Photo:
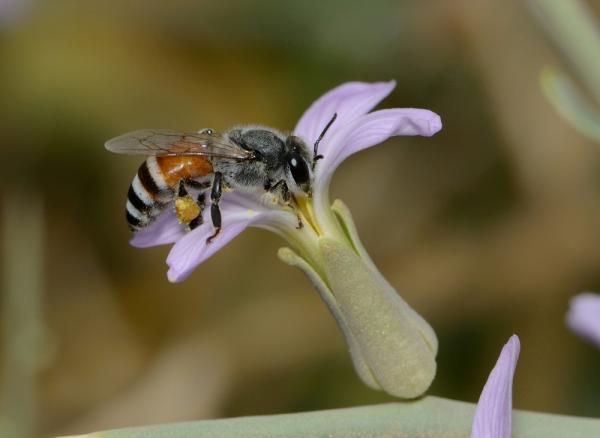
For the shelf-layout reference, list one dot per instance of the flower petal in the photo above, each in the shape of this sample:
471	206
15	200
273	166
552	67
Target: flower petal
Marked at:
493	417
238	212
191	249
165	229
349	101
369	130
376	127
584	316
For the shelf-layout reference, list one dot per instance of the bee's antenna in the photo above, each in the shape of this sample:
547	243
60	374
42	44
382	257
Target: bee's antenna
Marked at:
316	147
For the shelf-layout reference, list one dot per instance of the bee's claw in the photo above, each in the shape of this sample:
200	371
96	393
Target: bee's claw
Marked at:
215	234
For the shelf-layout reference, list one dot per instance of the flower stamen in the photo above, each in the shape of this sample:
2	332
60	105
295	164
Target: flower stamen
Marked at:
307	213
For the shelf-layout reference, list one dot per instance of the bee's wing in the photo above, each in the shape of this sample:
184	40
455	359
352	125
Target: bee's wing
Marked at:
165	142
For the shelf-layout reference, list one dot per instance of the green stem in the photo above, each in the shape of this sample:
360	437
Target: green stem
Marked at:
22	236
430	417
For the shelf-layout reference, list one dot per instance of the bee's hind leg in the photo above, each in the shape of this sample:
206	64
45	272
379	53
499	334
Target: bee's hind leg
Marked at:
188	209
215	211
198	220
198	185
200	200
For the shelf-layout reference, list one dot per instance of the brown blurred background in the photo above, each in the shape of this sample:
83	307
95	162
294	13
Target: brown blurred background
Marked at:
487	229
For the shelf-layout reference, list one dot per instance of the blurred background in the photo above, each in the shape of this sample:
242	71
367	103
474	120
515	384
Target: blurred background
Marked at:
487	229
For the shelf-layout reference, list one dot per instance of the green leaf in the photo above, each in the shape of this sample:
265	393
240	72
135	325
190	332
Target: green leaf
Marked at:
430	417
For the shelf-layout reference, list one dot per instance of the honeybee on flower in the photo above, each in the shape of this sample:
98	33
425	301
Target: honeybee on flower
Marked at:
257	176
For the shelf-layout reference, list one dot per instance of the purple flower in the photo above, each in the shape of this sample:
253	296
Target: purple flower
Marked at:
352	131
393	348
584	316
493	416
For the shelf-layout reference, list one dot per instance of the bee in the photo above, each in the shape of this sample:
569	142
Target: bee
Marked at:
251	159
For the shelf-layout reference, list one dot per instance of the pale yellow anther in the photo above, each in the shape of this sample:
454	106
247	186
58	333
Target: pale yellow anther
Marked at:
307	213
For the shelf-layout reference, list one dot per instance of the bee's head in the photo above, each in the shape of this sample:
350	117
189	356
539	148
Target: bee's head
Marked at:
297	162
275	157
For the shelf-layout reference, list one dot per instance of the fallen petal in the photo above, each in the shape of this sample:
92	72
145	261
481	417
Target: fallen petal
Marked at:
493	416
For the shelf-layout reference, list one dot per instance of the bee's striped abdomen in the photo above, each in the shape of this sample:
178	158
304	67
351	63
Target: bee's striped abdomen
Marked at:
156	183
147	196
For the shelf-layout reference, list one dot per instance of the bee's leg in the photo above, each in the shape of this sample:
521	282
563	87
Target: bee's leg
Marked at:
215	211
193	184
181	191
199	220
287	199
281	185
286	196
186	207
300	223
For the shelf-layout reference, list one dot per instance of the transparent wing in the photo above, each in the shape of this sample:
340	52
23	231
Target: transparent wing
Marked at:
165	142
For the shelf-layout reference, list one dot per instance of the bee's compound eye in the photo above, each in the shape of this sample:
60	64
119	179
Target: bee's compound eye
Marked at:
298	168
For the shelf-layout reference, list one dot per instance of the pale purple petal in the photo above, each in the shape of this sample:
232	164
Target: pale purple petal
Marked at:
165	229
376	127
192	249
493	416
584	316
349	101
370	130
238	212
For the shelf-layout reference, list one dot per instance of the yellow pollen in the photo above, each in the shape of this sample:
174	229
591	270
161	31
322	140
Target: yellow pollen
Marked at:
187	209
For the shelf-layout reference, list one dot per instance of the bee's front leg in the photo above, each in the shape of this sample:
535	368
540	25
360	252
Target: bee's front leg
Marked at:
282	187
286	198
